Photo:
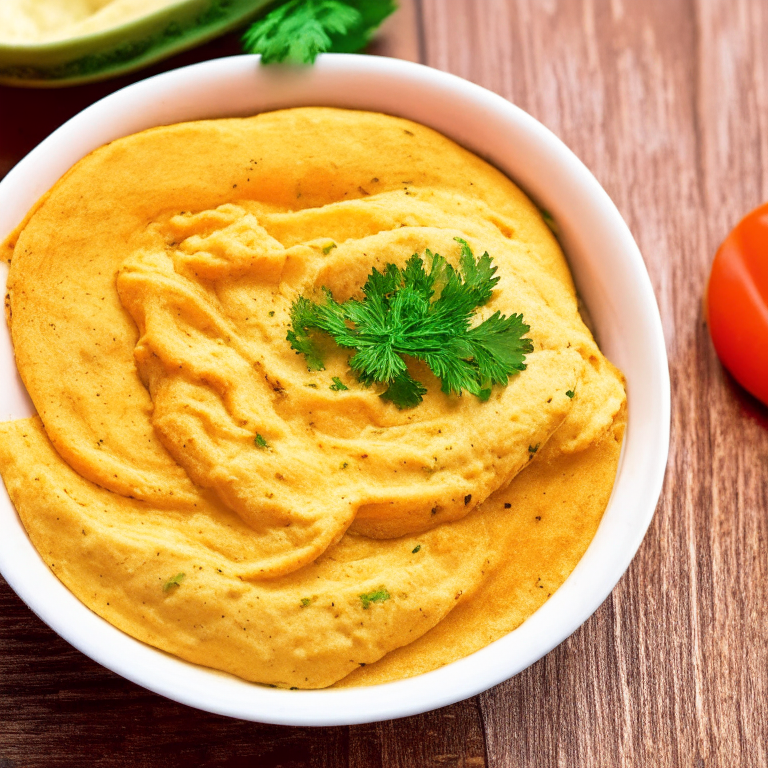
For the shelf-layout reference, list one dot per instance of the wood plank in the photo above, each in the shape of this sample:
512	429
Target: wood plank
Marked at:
400	35
731	528
451	737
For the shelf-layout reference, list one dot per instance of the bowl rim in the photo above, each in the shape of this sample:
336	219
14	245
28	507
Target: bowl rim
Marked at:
233	86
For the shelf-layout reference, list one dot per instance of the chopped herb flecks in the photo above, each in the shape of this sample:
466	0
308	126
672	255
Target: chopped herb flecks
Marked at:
377	596
174	582
571	393
338	385
306	602
260	442
549	221
533	448
416	549
328	248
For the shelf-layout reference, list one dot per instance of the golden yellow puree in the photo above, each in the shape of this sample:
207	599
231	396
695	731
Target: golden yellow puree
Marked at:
192	482
43	21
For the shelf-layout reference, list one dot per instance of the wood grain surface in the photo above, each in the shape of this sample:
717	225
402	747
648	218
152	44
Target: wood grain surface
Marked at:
666	101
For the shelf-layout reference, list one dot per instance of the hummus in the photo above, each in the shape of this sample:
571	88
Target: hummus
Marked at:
191	481
45	21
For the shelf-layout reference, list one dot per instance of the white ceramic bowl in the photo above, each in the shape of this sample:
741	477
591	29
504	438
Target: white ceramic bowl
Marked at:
611	278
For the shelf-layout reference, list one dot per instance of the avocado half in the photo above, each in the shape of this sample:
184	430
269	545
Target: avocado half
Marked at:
124	48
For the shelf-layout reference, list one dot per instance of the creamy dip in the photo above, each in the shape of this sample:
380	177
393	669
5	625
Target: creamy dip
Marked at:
44	21
191	481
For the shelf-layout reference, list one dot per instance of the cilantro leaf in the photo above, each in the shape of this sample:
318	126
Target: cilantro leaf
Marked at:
303	316
297	30
260	441
372	14
424	310
338	385
404	391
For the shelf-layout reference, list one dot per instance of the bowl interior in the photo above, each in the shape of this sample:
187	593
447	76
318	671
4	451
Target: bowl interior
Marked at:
610	276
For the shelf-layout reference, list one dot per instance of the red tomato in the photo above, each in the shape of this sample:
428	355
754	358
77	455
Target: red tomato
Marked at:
737	303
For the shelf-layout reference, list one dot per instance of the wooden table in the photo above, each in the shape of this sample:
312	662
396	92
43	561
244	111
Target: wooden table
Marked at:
667	103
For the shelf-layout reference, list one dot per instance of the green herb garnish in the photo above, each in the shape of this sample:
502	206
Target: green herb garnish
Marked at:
423	310
533	448
328	248
377	596
297	30
174	582
260	442
549	221
306	602
416	549
338	385
571	393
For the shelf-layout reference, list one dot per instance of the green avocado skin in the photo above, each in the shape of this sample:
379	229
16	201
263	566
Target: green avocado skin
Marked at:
122	49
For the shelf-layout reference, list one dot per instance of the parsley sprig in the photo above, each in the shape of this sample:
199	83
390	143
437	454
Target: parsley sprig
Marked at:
297	30
424	310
